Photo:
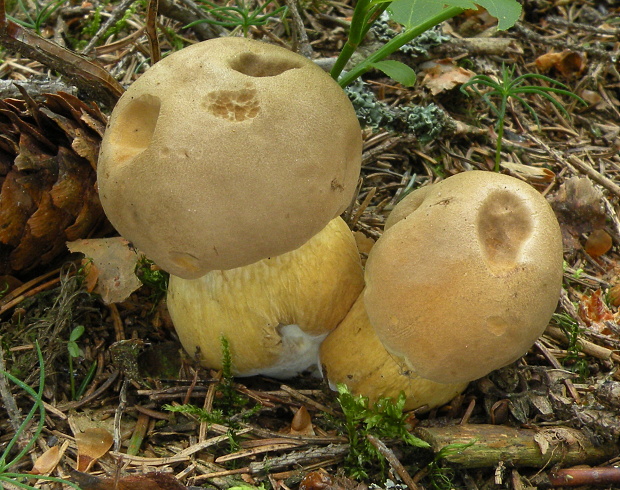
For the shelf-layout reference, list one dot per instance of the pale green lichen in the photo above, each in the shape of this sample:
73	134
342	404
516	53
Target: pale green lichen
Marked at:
419	46
426	122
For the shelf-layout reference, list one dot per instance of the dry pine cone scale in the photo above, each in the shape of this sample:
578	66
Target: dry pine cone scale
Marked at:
48	195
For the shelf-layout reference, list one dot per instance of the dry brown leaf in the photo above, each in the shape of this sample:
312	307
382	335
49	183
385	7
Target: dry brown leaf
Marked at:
317	480
115	261
594	312
47	461
92	444
591	97
149	481
530	174
443	75
568	63
91	275
302	423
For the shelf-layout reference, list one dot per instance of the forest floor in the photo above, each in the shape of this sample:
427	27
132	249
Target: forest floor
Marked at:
556	407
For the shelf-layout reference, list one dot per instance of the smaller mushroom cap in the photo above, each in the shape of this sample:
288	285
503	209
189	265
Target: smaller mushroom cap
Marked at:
466	276
275	312
353	355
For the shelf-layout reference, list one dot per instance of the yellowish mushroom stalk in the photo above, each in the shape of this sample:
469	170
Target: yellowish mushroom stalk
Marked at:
353	355
274	312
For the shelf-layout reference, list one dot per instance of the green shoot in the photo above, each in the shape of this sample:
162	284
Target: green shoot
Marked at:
42	13
441	477
416	17
227	405
17	479
385	420
509	87
573	361
239	15
74	352
152	276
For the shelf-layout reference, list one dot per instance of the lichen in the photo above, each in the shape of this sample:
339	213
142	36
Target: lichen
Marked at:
426	122
419	46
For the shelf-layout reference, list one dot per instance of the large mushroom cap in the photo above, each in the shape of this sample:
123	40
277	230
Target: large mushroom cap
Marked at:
466	276
227	152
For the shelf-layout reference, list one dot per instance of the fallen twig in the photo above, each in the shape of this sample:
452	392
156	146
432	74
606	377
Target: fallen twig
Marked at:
577	477
86	75
396	465
489	444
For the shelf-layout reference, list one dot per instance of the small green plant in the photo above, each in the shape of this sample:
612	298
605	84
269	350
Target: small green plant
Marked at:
152	276
573	361
91	27
41	14
6	463
74	352
227	404
385	420
240	14
511	87
416	17
441	477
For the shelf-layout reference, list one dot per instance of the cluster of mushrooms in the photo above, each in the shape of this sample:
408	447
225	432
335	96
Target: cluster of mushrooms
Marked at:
229	162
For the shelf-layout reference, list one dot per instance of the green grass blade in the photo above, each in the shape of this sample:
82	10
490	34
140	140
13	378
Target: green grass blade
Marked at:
549	97
529	108
38	405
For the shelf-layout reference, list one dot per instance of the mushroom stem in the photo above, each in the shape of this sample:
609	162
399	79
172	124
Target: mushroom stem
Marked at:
274	312
353	354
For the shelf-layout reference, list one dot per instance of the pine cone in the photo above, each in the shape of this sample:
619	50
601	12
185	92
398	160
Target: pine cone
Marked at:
48	195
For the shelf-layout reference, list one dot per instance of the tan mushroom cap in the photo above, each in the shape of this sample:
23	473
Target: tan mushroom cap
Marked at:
274	312
466	276
353	355
227	152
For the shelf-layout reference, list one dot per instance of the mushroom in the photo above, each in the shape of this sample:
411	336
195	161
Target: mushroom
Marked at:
463	281
227	152
275	312
352	354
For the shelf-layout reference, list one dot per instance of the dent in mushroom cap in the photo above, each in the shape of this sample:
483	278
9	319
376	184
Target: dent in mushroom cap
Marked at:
312	287
227	152
467	279
352	354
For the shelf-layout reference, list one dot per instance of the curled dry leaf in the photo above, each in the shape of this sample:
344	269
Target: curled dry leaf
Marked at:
594	312
302	423
568	63
47	461
92	444
443	75
533	175
115	261
317	480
